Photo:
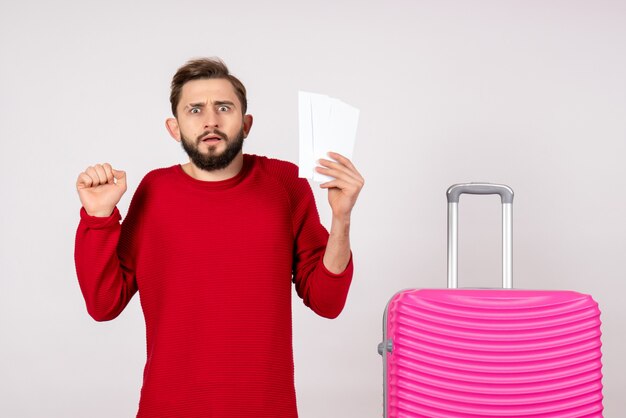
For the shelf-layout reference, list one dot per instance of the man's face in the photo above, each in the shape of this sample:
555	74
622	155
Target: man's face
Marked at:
210	124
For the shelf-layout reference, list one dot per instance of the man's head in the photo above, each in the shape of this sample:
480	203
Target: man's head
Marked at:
209	107
205	68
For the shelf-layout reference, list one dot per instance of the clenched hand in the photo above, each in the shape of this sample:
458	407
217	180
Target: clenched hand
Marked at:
100	188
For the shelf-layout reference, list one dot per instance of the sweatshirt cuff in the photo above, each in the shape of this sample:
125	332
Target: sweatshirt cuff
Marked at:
97	222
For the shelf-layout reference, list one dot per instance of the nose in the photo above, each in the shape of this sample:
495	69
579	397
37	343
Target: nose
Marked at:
211	120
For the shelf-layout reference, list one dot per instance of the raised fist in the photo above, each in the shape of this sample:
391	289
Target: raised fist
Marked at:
100	188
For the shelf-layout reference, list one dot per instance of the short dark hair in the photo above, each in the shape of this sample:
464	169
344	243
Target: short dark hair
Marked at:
205	68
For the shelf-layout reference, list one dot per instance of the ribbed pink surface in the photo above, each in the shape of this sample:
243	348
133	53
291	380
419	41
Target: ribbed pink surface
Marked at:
494	353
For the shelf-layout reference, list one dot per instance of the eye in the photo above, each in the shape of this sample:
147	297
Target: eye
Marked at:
223	108
194	110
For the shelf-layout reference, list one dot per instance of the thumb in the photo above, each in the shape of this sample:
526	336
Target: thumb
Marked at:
120	177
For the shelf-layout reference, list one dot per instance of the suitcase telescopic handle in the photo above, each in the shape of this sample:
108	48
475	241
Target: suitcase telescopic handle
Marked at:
506	196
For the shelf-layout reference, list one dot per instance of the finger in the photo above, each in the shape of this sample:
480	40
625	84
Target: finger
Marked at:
95	179
338	157
334	167
340	172
344	160
349	187
120	177
342	164
83	181
102	176
108	171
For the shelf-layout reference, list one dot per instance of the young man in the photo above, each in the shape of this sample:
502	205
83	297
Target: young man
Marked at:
213	246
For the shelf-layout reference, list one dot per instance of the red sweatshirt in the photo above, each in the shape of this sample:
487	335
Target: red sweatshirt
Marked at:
213	263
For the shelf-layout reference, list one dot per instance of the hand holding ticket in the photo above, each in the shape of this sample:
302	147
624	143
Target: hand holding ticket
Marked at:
326	125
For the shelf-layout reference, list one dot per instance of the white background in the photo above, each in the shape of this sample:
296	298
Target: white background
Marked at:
527	93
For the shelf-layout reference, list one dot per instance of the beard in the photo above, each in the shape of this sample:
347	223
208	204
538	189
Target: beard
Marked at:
212	161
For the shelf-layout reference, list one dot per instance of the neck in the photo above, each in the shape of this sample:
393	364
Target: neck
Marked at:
217	175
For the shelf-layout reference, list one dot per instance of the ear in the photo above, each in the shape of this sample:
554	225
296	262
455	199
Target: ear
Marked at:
247	124
172	127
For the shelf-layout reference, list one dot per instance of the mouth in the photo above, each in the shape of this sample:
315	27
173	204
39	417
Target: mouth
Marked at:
211	138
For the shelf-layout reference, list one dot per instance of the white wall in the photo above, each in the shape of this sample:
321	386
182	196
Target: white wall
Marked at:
527	93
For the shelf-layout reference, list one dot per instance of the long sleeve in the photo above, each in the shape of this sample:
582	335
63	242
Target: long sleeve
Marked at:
214	264
106	284
321	290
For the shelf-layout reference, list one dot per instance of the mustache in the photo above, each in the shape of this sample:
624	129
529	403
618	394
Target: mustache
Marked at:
217	132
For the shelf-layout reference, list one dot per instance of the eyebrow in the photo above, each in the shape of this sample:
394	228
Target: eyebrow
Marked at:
215	103
199	104
224	102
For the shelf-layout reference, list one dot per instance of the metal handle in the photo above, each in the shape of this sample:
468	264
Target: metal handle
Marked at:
506	196
455	191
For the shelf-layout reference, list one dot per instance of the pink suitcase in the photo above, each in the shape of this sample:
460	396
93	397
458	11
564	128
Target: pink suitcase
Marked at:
490	352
